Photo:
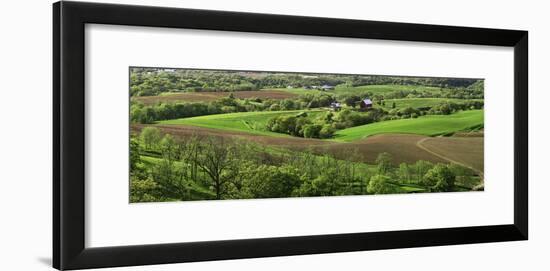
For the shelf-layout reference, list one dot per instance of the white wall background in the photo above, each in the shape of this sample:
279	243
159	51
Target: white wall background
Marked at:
25	135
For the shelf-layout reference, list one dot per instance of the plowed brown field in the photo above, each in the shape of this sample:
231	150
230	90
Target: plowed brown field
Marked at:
465	150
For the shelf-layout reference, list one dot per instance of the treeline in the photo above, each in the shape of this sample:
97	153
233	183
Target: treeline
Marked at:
216	168
473	92
359	80
145	114
150	82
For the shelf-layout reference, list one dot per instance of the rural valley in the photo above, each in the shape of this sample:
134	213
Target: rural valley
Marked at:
213	134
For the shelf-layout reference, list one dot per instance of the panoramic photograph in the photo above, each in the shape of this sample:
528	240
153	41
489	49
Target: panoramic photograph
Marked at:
224	134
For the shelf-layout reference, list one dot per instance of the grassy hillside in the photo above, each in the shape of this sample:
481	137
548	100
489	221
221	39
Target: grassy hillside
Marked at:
252	122
297	91
427	125
255	123
374	89
382	89
420	102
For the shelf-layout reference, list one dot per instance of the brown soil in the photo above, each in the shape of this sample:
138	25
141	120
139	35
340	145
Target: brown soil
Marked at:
465	150
401	147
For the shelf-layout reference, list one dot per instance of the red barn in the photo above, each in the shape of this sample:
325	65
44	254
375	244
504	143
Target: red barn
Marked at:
365	104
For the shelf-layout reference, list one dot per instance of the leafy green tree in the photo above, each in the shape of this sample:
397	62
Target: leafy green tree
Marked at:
143	190
352	100
380	184
327	117
150	136
312	130
268	181
275	107
135	157
168	147
404	173
287	104
325	184
326	132
440	179
171	179
384	163
420	168
216	159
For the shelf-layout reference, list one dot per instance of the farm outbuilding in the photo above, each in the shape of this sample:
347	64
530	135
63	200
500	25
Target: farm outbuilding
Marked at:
365	104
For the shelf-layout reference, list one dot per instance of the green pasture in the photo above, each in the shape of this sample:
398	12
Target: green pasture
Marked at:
420	102
297	91
383	89
429	125
251	122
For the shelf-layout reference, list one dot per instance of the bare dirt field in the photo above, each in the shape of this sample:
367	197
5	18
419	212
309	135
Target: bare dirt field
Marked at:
464	150
212	96
402	148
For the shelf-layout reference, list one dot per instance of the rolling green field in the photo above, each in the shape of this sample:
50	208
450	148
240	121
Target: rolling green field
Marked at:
297	91
420	102
251	122
359	90
382	89
429	125
255	123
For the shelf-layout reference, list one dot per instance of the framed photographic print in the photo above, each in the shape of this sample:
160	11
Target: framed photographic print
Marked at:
192	135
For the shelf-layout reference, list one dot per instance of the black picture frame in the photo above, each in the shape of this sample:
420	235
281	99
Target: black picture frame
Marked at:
69	19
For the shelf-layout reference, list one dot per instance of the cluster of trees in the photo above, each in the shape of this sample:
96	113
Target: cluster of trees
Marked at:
140	113
150	82
300	125
325	125
304	101
216	168
447	108
432	178
145	114
450	93
361	80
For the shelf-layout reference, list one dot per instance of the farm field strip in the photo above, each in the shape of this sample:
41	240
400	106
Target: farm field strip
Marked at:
430	125
420	102
381	89
470	154
255	122
251	122
374	89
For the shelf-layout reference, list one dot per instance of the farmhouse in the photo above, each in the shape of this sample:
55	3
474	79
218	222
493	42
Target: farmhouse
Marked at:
335	106
365	104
